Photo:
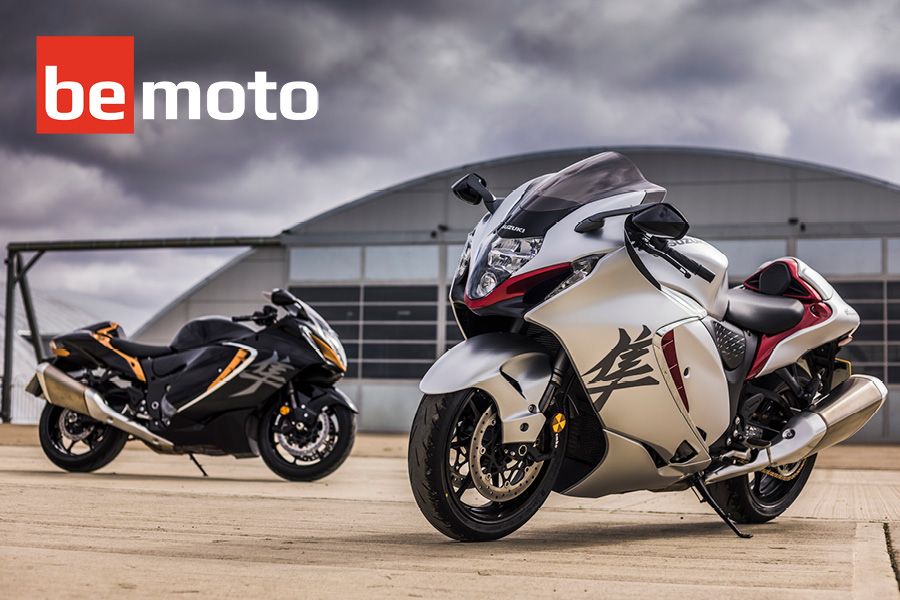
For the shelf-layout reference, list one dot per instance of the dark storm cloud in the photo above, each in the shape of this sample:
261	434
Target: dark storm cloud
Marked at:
410	87
884	88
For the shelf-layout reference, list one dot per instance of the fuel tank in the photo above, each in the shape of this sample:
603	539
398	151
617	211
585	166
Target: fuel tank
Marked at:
712	296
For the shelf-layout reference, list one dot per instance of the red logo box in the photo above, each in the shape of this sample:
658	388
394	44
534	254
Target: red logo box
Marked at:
85	84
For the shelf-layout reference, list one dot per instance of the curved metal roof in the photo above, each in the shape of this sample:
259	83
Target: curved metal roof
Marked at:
587	151
300	228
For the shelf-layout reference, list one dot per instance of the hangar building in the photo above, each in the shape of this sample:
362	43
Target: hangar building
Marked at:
377	268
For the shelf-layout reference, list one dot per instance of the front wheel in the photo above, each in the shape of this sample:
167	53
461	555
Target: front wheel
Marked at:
76	442
299	451
467	482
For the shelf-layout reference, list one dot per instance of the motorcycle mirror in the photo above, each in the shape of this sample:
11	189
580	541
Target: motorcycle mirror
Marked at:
280	297
660	220
472	189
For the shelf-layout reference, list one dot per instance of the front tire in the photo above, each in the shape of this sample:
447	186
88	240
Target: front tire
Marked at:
308	453
439	447
78	443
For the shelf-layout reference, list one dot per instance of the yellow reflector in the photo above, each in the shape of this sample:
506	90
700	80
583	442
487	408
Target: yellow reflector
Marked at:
284	410
60	352
558	423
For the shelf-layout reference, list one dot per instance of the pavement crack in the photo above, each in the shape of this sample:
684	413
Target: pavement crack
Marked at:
891	553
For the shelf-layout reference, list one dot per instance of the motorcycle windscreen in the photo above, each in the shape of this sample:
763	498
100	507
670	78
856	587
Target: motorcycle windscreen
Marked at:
600	176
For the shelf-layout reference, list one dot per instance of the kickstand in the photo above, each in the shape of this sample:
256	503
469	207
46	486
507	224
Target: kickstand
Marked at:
701	488
199	466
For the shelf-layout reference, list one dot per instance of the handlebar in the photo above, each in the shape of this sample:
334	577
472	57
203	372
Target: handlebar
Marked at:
266	316
692	265
684	263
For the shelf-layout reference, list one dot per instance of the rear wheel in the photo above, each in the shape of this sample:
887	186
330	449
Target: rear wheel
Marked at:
467	482
764	495
299	451
76	442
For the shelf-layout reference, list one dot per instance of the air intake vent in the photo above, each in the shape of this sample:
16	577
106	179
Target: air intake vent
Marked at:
668	348
731	345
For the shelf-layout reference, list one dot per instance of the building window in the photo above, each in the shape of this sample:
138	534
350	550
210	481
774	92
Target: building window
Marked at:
843	256
453	255
401	263
893	256
745	256
389	331
335	263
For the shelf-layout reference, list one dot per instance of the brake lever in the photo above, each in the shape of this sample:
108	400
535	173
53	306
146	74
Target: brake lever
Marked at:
660	251
687	274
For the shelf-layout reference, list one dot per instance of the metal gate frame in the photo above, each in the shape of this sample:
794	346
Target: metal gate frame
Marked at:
16	276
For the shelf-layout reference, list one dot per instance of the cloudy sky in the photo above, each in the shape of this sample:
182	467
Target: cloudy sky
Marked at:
407	88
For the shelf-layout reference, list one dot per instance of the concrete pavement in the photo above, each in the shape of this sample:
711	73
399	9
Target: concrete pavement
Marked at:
149	526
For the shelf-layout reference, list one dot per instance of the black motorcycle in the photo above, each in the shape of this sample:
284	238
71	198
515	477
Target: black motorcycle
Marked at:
219	388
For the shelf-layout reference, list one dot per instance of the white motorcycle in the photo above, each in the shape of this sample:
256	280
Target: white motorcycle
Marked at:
605	353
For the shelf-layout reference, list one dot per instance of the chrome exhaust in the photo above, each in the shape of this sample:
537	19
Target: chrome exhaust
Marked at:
833	419
61	390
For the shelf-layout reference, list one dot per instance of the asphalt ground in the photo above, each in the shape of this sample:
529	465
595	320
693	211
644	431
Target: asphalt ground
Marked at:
150	526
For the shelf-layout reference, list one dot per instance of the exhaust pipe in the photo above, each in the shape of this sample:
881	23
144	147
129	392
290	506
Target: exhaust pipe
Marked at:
61	390
833	419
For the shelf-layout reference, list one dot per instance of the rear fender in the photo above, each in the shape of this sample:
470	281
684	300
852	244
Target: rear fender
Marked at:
512	369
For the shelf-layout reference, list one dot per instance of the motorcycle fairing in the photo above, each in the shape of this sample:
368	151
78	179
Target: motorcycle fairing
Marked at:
826	316
611	325
93	345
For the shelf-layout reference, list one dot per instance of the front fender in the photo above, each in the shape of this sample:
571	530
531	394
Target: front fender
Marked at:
512	369
322	397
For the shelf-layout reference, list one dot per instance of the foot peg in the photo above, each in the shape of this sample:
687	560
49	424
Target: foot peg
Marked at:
701	488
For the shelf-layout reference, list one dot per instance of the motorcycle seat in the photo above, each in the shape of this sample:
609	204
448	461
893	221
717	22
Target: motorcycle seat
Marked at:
208	330
762	313
139	350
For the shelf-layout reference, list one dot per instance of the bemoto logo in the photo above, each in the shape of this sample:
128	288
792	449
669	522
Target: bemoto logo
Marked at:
85	84
76	71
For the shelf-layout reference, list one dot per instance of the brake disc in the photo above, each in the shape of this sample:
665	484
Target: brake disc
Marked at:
308	450
73	427
511	475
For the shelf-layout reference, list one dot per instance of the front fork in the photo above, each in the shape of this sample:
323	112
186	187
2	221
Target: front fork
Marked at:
557	420
560	366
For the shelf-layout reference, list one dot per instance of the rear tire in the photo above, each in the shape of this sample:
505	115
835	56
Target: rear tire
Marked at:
759	498
294	468
438	427
104	442
764	495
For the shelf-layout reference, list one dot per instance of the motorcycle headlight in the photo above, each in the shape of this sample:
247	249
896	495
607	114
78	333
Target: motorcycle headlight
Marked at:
581	268
504	257
332	351
464	259
324	339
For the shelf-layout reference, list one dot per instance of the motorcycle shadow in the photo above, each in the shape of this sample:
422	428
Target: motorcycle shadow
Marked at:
142	477
543	537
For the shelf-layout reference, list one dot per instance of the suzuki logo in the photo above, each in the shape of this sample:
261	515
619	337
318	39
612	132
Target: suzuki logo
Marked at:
269	373
513	228
624	366
85	84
